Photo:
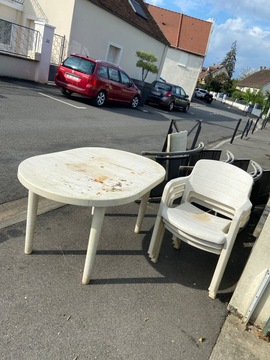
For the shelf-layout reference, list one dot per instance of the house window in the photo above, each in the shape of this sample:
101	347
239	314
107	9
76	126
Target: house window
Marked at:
5	32
114	54
137	8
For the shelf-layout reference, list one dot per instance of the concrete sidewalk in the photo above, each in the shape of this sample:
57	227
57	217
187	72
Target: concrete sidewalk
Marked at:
132	309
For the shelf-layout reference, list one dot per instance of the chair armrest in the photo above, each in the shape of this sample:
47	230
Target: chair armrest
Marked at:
257	170
174	153
241	216
186	168
174	189
230	157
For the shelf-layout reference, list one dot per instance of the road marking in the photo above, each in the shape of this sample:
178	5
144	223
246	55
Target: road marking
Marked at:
61	101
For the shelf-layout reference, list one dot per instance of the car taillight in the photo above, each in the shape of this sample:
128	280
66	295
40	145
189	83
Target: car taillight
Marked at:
92	81
168	94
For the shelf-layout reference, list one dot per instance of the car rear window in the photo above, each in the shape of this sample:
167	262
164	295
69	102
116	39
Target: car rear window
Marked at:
163	86
78	64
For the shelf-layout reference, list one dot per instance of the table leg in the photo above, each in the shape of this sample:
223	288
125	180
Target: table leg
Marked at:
142	208
31	221
96	227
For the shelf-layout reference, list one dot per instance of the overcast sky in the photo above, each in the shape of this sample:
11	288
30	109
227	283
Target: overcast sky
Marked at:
245	21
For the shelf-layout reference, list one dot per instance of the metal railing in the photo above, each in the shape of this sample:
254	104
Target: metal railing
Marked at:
19	40
18	1
59	49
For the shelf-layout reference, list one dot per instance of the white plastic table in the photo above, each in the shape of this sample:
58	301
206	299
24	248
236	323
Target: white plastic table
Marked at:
92	176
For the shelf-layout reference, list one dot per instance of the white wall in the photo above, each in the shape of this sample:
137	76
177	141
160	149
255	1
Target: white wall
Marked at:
29	69
253	275
11	11
58	13
17	67
182	68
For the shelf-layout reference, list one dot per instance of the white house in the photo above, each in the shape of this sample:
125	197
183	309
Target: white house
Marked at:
189	38
259	80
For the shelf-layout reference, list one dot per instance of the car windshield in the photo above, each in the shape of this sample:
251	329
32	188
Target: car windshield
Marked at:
79	64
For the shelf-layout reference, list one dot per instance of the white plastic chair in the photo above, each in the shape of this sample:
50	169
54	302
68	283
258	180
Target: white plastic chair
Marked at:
214	206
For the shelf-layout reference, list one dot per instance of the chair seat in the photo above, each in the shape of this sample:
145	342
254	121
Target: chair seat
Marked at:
198	224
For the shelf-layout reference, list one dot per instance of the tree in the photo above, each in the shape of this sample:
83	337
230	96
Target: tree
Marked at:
267	103
230	60
254	98
218	83
146	62
246	72
251	97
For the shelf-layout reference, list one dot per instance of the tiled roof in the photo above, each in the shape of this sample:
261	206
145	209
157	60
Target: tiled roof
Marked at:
183	32
123	10
256	80
214	68
211	70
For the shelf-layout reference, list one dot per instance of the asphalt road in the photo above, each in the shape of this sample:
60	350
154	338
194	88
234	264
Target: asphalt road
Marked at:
37	119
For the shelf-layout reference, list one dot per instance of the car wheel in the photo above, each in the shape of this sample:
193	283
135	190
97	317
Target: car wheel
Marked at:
186	108
100	98
171	106
135	102
65	92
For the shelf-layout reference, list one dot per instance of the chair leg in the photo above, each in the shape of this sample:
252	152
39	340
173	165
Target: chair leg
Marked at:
176	242
218	273
156	239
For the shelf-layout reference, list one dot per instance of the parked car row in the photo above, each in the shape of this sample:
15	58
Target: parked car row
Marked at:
103	82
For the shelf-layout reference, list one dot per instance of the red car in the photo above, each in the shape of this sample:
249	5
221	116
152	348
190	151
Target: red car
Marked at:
99	80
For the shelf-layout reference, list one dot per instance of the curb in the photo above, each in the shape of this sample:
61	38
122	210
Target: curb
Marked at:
16	211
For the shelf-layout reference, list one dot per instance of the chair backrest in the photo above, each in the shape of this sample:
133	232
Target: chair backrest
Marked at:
171	161
214	154
261	189
241	163
172	164
219	186
177	141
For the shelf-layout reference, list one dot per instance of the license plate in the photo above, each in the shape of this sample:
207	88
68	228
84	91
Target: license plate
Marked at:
72	76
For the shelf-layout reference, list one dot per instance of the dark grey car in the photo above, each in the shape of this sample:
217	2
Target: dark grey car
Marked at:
169	96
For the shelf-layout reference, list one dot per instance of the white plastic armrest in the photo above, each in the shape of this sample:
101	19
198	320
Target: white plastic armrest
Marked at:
174	189
257	170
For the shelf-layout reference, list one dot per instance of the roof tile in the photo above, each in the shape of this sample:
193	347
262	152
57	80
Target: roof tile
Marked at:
182	31
256	80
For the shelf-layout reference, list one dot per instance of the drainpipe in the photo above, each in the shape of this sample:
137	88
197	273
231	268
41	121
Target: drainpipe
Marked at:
266	328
